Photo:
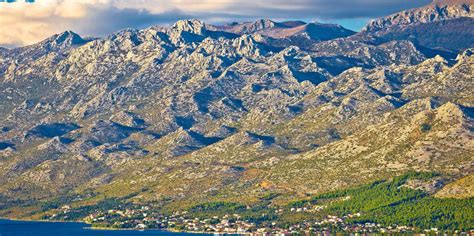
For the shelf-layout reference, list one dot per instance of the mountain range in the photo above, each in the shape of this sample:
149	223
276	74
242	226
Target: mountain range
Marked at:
195	112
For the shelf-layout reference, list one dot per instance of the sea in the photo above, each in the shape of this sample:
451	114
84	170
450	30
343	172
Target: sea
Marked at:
39	228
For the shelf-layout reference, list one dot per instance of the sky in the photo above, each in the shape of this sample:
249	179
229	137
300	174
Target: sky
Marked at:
27	22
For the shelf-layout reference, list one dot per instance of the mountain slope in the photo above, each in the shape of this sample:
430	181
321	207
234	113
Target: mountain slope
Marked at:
284	34
194	113
443	25
314	31
437	11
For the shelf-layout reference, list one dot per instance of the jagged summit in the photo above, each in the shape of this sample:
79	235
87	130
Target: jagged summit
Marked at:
62	41
452	2
263	24
288	29
251	27
436	11
59	43
465	55
260	24
67	38
192	26
442	25
162	114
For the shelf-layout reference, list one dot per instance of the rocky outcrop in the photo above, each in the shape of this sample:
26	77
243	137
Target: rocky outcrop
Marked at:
442	25
193	106
289	29
437	11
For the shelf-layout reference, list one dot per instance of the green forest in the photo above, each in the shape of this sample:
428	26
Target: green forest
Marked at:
386	202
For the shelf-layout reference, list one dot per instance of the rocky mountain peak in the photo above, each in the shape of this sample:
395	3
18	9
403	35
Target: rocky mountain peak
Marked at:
465	55
436	11
441	25
436	62
283	30
262	24
450	111
58	43
192	97
247	45
191	26
252	27
452	2
65	39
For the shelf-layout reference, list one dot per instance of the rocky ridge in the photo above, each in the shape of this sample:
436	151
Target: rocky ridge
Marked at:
196	112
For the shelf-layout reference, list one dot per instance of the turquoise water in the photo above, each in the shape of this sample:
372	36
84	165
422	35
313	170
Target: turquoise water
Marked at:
31	228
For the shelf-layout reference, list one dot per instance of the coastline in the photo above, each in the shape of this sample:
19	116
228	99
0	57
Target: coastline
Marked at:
44	221
90	227
162	230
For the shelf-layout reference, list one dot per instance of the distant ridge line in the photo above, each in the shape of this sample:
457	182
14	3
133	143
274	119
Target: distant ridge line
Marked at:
451	2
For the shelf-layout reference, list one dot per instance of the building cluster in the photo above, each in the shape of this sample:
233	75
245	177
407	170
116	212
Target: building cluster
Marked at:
144	218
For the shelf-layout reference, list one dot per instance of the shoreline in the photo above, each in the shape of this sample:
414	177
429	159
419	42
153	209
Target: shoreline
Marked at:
139	229
90	227
162	230
44	221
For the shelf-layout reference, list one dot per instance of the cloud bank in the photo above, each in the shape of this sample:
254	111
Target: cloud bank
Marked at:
23	23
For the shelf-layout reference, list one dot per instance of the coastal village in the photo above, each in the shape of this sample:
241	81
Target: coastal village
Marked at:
143	218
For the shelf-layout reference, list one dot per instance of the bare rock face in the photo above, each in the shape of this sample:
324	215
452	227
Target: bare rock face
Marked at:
462	188
438	11
288	29
128	119
443	25
59	43
284	34
430	187
191	26
218	107
252	27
